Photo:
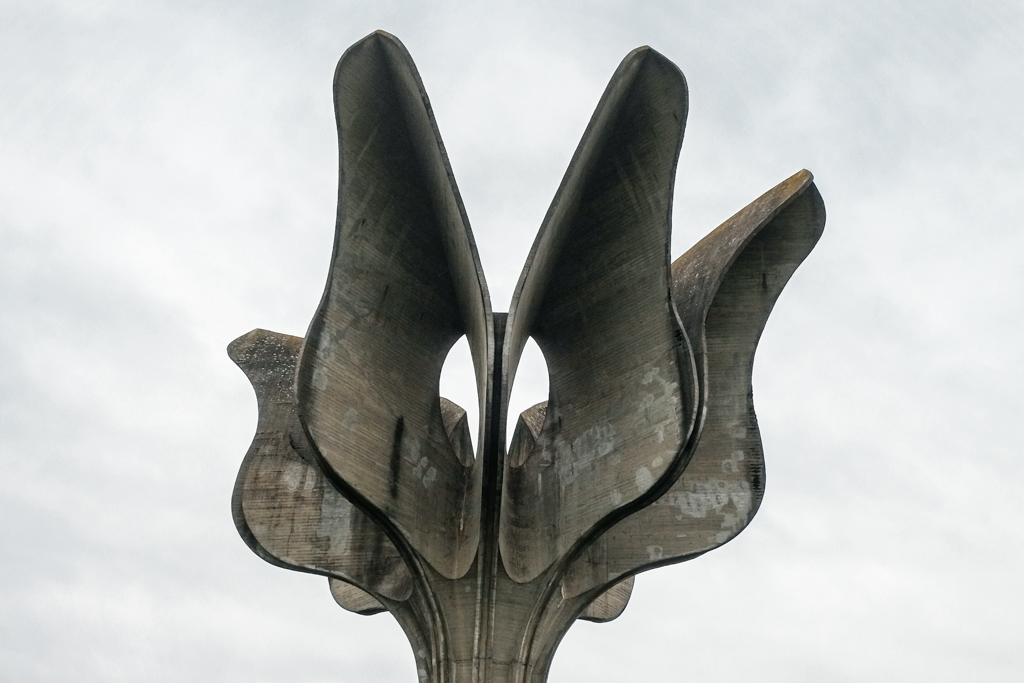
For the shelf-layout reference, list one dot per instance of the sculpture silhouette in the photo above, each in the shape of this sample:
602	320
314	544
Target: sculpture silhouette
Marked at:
646	452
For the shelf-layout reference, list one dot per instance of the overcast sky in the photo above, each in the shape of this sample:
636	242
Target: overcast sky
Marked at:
168	181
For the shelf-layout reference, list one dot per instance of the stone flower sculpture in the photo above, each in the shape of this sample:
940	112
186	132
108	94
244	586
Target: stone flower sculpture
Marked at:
646	452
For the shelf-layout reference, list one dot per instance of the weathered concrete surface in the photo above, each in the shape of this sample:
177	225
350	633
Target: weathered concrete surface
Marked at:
610	604
355	599
725	310
284	507
645	453
404	285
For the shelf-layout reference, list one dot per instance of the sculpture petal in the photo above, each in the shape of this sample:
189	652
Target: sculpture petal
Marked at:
610	604
595	296
285	509
405	283
355	599
724	288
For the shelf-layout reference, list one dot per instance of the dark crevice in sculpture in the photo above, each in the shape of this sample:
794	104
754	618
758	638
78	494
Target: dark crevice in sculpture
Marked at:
647	451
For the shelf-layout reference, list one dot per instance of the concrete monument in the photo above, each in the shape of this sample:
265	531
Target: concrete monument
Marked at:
646	452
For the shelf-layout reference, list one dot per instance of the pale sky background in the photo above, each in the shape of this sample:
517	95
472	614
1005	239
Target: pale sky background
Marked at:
168	181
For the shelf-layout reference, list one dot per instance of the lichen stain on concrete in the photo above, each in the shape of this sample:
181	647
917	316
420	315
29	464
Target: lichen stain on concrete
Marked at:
662	412
350	419
584	451
732	463
406	279
731	500
335	521
666	402
293	474
425	472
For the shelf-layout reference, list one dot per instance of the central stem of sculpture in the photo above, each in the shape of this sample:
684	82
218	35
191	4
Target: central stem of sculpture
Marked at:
647	450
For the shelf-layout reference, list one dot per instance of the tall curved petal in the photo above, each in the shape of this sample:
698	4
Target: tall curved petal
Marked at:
405	283
724	288
594	294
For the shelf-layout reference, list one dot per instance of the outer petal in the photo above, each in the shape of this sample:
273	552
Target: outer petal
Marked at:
284	507
355	599
595	296
725	288
610	604
405	283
